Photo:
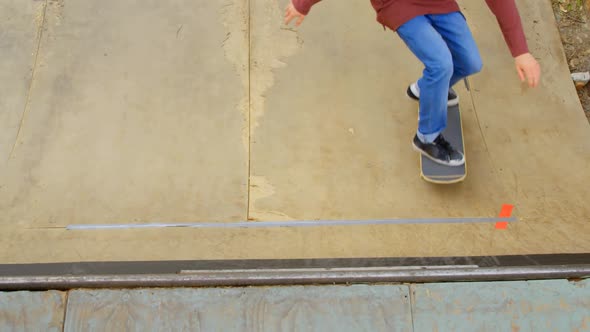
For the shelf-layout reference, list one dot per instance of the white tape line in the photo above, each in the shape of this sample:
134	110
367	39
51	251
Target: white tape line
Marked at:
300	223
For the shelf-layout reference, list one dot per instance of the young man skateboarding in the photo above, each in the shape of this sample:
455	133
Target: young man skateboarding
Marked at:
438	35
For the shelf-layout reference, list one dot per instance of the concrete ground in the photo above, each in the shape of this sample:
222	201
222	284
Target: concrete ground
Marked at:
123	112
554	305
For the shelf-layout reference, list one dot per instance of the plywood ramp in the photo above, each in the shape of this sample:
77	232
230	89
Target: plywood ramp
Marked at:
20	28
216	112
136	113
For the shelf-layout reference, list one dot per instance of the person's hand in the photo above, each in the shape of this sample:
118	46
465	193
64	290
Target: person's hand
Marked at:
528	69
292	13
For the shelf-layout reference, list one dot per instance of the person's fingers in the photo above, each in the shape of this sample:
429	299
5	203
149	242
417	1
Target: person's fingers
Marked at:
533	75
289	18
521	74
300	20
538	75
528	73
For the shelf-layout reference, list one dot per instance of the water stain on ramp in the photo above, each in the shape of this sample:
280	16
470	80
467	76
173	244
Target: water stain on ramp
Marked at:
235	18
271	43
260	189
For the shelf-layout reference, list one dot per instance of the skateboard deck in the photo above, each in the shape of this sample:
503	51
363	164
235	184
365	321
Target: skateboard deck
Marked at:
436	173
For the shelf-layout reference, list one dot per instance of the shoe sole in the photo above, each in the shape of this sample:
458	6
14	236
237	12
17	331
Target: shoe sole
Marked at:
417	149
452	103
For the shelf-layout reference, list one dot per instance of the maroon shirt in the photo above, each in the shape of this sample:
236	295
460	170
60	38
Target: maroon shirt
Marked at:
394	13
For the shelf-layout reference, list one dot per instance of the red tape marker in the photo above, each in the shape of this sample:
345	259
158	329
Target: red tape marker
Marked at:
505	213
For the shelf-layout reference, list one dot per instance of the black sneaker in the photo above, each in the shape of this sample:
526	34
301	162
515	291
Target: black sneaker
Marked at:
414	93
440	151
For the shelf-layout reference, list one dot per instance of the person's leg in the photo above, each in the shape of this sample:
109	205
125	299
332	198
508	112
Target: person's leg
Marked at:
431	49
454	30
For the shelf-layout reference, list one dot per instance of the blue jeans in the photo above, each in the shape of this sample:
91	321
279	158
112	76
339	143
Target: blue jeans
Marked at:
448	51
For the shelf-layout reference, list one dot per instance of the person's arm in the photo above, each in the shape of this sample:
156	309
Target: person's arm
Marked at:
511	25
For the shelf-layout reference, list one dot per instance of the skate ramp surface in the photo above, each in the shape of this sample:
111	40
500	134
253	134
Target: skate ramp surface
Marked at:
126	112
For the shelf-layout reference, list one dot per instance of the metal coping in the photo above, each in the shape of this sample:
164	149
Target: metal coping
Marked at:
212	273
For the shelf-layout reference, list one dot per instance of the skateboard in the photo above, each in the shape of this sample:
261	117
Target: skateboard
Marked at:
440	174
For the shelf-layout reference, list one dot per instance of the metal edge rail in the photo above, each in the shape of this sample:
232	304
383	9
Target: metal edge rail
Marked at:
230	278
